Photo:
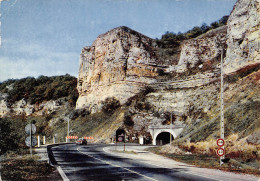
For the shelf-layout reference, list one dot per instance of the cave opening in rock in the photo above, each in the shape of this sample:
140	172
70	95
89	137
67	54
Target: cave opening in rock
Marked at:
164	138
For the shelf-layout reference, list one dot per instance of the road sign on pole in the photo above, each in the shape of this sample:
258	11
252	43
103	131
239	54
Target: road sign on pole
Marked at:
30	142
28	128
222	135
220	142
220	152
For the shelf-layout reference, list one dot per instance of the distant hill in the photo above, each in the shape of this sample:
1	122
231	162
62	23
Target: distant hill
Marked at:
40	89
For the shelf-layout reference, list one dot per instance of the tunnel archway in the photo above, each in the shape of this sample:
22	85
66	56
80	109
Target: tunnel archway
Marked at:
164	138
120	135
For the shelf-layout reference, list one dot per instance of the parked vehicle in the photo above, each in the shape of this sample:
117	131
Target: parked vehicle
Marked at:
81	141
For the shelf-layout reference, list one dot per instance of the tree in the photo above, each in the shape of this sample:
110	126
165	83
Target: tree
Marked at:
110	105
204	28
10	137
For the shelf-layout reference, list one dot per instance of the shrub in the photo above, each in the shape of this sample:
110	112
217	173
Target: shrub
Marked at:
128	121
110	105
12	134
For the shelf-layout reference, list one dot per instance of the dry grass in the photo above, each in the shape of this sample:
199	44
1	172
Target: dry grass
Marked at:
203	154
15	167
234	148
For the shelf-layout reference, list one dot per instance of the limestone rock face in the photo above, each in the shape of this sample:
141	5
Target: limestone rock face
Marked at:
22	107
202	52
243	36
119	63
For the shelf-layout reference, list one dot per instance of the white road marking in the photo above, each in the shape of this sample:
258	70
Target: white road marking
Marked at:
192	173
62	174
117	166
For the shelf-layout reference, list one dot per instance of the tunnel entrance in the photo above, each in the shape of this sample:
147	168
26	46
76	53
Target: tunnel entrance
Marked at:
163	138
120	135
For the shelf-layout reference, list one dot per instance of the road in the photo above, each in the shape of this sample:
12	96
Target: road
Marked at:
91	162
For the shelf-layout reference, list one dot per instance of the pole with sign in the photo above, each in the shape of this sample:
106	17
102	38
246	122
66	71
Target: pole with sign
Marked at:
222	136
30	141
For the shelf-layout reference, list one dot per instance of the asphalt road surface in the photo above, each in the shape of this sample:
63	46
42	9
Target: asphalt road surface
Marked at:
91	162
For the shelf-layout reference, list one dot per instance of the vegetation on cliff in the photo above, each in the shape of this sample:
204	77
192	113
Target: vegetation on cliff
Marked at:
41	89
171	39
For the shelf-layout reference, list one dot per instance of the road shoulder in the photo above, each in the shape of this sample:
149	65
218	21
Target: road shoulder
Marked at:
138	152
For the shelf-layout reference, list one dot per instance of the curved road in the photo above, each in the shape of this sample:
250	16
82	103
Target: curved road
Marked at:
91	162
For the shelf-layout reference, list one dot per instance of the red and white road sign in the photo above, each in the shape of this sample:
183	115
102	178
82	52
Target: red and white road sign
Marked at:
72	137
89	138
220	142
220	152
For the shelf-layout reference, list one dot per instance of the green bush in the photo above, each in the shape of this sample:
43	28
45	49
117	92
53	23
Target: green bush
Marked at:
12	135
128	121
171	39
110	105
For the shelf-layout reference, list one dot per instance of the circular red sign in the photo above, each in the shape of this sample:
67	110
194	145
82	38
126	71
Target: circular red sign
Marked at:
220	152
220	142
120	139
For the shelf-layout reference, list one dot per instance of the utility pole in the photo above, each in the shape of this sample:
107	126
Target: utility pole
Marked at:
31	138
222	136
68	129
171	128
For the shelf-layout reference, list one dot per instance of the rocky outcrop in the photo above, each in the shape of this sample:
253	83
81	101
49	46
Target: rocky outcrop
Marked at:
202	52
243	36
118	64
22	107
122	62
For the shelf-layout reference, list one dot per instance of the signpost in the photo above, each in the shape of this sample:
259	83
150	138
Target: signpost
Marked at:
220	152
220	142
222	135
29	127
30	141
121	138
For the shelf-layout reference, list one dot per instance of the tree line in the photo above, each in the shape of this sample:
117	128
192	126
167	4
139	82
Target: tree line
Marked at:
171	39
41	89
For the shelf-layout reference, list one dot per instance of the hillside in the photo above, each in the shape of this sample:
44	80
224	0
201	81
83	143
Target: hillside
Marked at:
130	81
132	69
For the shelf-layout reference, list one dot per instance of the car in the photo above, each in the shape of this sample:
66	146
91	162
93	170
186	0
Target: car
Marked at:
81	141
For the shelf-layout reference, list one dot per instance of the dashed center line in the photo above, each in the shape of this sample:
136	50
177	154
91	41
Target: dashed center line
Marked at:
117	166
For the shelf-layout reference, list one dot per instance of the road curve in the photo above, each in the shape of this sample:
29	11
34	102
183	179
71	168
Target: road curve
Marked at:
91	162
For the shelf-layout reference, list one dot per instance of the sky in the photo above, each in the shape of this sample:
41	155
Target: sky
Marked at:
45	37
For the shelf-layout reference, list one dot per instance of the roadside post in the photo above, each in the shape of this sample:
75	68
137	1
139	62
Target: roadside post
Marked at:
44	142
39	143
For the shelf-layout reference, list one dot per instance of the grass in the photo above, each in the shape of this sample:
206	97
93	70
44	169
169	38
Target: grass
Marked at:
203	154
25	168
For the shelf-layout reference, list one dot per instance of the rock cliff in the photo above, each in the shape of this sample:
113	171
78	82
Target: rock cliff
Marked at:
243	36
118	64
122	63
203	52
